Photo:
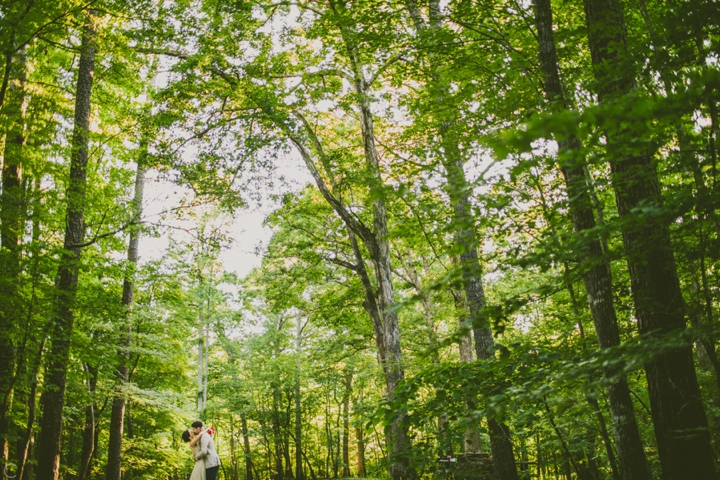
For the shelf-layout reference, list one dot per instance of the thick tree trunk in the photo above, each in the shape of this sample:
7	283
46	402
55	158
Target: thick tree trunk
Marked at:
378	245
67	277
597	276
11	215
117	414
678	416
689	158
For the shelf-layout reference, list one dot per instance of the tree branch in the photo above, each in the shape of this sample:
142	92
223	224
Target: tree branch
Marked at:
350	220
390	61
103	235
342	263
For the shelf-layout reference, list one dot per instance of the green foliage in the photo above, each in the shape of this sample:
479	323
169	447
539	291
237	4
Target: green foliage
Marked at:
214	97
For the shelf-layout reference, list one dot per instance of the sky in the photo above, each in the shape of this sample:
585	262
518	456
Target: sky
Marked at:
249	234
246	227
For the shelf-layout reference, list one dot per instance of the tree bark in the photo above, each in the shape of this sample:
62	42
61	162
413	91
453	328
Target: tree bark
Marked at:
399	441
346	423
298	412
678	416
117	414
25	443
361	472
67	276
279	467
689	158
370	304
464	241
378	246
597	276
471	440
471	274
246	447
11	213
377	243
89	439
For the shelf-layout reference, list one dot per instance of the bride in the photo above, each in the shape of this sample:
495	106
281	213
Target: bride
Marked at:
198	472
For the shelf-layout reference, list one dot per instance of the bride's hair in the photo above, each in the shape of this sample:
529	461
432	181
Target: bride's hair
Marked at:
186	436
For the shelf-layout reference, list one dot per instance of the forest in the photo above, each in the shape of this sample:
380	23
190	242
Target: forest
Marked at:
487	241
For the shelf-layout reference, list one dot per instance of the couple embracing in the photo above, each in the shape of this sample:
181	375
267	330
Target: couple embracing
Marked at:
206	458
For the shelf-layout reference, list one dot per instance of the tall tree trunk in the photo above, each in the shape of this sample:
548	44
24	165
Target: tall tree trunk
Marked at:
11	210
346	423
88	445
370	304
678	416
246	445
399	441
361	472
277	441
689	158
298	412
465	242
117	414
67	276
463	227
471	440
378	246
24	444
26	437
597	276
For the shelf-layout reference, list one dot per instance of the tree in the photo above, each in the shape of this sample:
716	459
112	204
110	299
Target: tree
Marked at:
117	416
67	276
596	271
674	393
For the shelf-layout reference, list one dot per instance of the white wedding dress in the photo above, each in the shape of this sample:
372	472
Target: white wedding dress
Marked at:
198	472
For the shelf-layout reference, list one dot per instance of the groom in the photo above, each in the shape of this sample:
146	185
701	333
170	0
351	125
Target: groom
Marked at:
207	451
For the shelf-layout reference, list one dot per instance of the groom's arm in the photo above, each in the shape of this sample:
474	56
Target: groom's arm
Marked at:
204	442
